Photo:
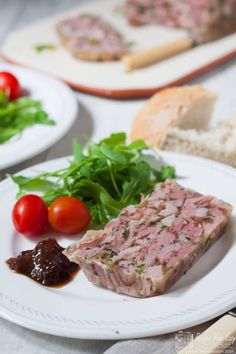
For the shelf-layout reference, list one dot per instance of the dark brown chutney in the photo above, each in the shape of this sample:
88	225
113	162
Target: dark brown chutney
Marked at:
45	264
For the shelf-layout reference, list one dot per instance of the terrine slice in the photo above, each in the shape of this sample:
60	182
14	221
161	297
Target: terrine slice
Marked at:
149	246
197	16
88	37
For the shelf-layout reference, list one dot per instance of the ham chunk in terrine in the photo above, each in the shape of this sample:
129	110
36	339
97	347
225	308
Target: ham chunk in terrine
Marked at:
149	246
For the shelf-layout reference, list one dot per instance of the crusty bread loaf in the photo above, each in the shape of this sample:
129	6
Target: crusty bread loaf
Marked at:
186	113
186	107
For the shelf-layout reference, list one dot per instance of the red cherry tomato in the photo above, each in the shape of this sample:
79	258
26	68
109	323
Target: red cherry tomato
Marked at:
68	215
10	85
30	215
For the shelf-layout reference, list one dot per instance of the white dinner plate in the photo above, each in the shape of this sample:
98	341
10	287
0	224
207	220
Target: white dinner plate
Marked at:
58	101
82	310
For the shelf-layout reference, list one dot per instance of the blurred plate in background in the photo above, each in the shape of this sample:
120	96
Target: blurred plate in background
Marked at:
58	101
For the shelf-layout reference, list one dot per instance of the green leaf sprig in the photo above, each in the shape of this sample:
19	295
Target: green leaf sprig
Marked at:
17	115
44	47
108	177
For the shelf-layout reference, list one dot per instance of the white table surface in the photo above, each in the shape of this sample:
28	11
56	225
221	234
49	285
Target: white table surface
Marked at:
97	117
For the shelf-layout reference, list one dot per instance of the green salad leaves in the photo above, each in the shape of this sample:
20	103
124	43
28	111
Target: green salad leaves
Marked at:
108	177
17	115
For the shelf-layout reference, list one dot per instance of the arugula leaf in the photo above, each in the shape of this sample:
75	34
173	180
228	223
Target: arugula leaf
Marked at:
137	144
139	174
29	183
32	184
77	151
166	172
15	116
110	176
114	139
112	155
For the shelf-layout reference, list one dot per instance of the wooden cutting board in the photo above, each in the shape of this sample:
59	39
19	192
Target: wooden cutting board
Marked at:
110	79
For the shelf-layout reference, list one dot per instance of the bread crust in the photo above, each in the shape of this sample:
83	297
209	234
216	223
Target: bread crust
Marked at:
166	109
